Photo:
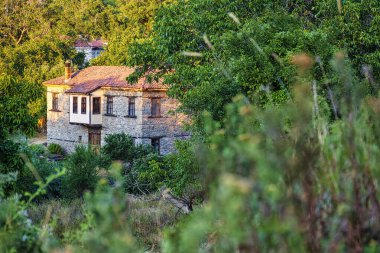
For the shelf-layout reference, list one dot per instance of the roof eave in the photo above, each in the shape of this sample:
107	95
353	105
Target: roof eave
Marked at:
56	85
155	89
134	88
83	92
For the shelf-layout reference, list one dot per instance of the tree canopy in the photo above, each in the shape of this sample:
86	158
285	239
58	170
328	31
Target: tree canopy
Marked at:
218	49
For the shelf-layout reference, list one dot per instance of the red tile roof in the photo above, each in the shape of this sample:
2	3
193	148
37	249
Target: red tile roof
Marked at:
94	43
92	78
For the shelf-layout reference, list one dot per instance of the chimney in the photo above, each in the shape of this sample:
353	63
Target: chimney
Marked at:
67	70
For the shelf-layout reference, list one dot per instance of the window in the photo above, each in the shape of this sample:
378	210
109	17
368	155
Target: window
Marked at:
55	102
131	107
155	107
95	105
156	145
83	106
94	138
109	105
75	105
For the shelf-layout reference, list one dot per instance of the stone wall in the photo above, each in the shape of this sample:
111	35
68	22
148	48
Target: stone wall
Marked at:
120	122
168	127
59	130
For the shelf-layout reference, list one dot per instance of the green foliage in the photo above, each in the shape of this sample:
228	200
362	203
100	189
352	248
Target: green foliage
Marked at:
29	165
147	171
55	149
36	168
289	165
121	147
107	227
9	159
36	60
356	30
298	178
18	234
83	168
37	37
212	51
37	149
146	175
132	21
20	105
184	175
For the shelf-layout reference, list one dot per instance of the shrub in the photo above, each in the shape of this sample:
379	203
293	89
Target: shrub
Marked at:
30	167
9	159
44	169
183	169
147	174
37	149
107	225
36	167
121	147
83	168
55	149
17	234
17	231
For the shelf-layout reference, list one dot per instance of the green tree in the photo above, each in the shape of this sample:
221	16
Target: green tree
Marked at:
249	51
132	21
20	104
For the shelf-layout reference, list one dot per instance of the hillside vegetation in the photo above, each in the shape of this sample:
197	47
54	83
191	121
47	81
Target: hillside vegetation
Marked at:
285	109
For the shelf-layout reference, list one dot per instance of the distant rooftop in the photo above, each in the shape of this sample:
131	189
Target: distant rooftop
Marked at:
92	78
92	44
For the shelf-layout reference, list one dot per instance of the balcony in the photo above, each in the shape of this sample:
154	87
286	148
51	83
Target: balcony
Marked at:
86	110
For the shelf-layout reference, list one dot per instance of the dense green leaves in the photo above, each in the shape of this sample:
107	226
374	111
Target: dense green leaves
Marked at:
133	21
217	49
21	105
122	147
287	179
83	171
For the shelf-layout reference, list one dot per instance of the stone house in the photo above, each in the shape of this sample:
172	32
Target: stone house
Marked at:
85	106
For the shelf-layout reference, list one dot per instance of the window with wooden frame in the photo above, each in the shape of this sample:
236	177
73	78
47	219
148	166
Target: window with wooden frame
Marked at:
109	105
156	145
131	107
83	108
96	105
55	101
155	110
75	105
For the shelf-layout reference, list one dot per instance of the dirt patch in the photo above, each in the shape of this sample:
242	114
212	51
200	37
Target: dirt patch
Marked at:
39	139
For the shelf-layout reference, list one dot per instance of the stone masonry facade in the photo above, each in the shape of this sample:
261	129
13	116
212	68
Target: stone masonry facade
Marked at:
143	128
59	130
